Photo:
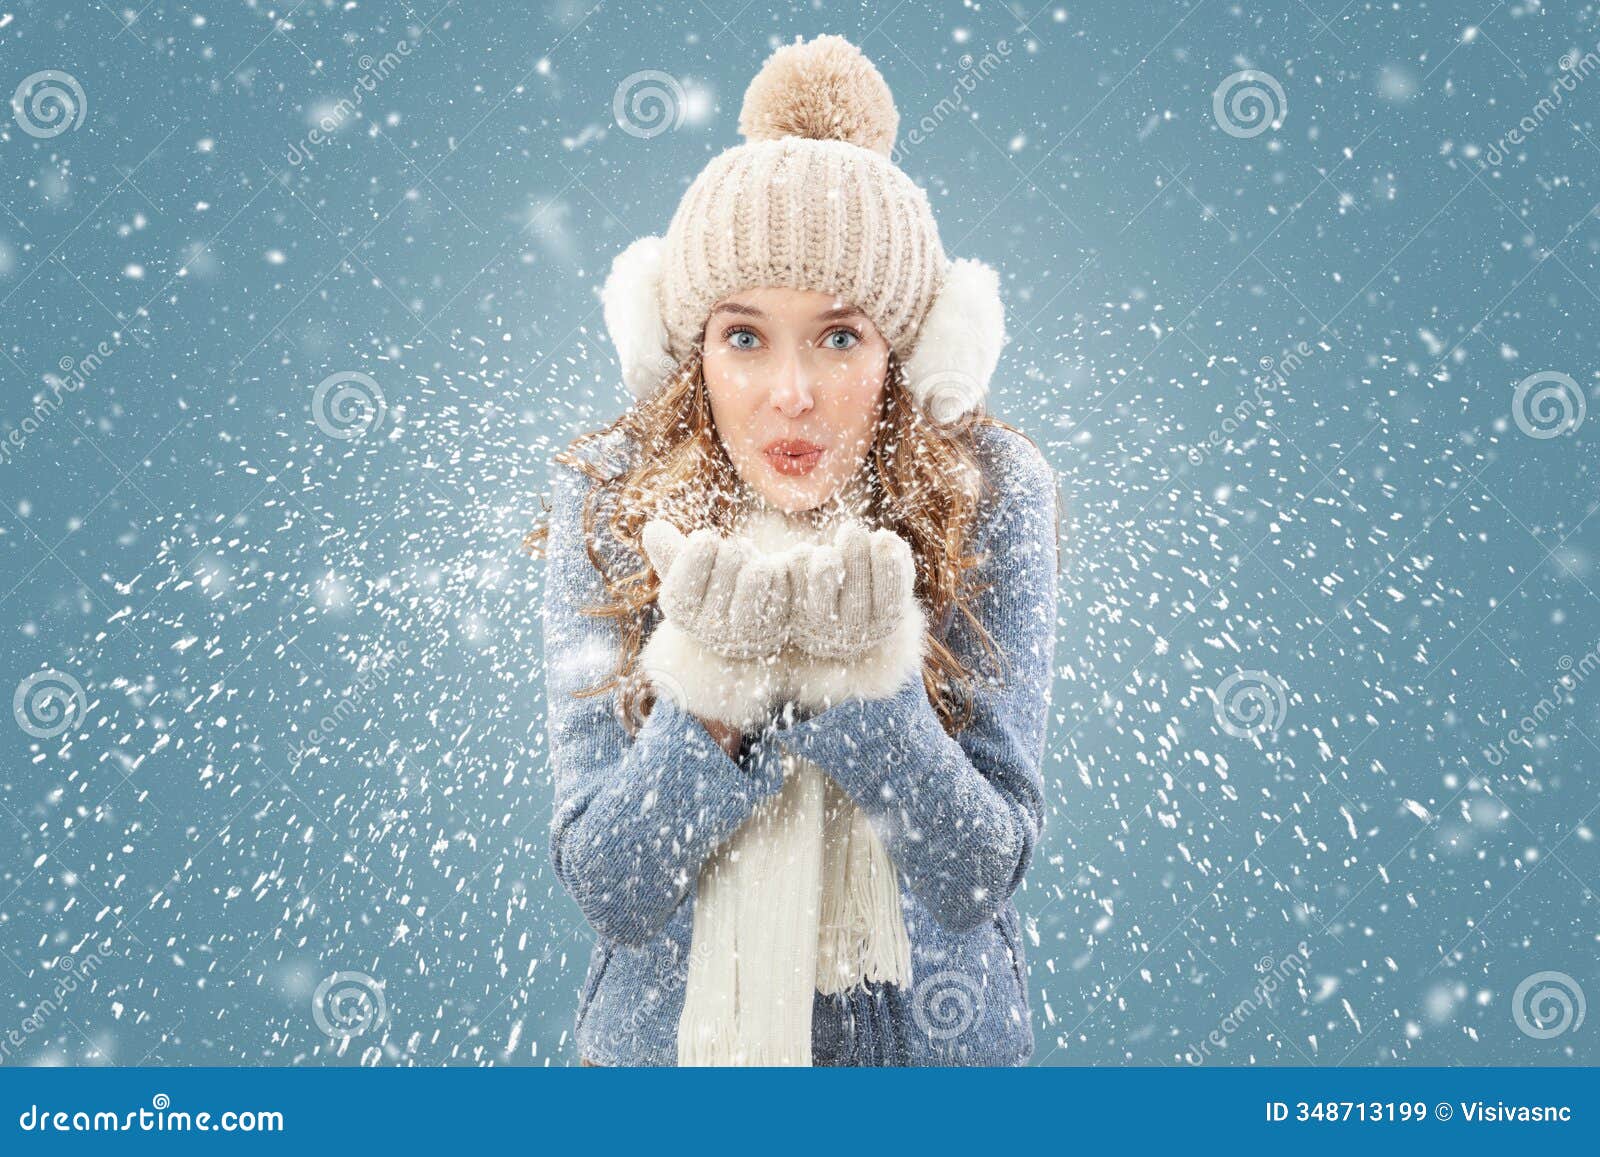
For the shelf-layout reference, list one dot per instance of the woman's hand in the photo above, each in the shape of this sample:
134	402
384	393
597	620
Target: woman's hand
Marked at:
850	596
730	599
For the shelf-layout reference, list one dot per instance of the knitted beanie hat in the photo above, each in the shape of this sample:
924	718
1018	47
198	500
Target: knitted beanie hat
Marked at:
812	201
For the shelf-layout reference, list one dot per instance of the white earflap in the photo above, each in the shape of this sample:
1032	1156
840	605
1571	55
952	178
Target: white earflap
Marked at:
948	373
632	303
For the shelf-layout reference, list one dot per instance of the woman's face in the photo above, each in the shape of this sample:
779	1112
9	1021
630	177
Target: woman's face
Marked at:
795	379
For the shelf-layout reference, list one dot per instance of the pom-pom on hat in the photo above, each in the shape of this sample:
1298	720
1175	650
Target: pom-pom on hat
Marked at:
822	91
811	200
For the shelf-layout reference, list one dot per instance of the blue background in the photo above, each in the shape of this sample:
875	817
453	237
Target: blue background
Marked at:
219	574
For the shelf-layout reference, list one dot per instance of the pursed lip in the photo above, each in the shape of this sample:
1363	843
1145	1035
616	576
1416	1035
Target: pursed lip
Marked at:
792	457
794	447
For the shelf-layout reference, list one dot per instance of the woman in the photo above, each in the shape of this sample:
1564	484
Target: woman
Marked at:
800	619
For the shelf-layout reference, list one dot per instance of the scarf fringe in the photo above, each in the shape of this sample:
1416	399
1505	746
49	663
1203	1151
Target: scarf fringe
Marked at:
804	899
862	930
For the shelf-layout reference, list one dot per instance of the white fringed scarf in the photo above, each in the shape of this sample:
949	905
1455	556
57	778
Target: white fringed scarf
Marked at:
803	898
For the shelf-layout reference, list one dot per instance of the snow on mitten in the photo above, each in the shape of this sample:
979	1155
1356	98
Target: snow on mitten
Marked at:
724	617
734	601
851	595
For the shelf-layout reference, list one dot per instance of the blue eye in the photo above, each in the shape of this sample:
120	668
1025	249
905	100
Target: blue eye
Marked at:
743	339
851	340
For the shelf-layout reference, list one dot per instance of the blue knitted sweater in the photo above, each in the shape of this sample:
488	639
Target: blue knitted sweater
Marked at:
636	816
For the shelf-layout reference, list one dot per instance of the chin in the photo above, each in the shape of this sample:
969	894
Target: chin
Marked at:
791	502
791	495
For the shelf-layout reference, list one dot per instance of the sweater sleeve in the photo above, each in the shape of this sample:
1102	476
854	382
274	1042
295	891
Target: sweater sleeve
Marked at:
635	817
960	816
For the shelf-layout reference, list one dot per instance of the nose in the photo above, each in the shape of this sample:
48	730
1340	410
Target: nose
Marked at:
791	388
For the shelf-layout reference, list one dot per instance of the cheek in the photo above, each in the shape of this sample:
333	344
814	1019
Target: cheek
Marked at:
732	394
858	395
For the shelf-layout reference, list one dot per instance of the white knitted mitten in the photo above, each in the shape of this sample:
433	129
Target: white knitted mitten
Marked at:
725	617
856	628
733	600
850	595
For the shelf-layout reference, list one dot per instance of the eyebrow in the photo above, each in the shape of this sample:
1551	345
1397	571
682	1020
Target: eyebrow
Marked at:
736	308
835	314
